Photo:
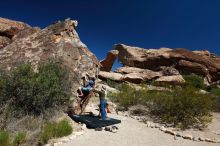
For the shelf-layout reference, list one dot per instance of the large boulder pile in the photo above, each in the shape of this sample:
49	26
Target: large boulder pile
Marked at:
21	43
165	64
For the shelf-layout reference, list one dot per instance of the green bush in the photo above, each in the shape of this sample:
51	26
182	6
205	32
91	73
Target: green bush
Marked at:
4	138
19	138
194	81
215	91
128	96
33	93
182	106
55	130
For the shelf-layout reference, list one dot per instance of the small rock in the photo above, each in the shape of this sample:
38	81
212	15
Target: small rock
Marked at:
47	145
162	128
178	134
201	139
195	138
170	132
152	125
156	126
190	137
84	127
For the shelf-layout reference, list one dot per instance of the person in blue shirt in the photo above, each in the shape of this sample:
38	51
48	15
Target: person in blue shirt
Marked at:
85	89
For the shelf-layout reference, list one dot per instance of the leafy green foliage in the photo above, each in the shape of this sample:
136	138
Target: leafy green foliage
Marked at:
182	106
55	130
33	93
4	138
19	138
215	91
194	81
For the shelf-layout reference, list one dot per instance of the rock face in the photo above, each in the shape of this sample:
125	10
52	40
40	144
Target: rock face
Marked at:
199	62
175	79
107	63
59	42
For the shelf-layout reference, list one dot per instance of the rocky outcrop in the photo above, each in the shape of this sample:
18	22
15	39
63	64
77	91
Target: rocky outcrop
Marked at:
59	42
198	62
9	28
107	63
110	76
4	41
175	80
133	77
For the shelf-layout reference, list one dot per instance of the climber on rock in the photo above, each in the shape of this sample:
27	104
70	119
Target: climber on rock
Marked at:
87	86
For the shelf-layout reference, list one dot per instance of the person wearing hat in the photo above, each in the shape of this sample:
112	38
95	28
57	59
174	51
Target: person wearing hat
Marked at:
87	86
103	103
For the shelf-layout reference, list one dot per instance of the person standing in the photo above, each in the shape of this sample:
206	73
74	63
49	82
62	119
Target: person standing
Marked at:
103	103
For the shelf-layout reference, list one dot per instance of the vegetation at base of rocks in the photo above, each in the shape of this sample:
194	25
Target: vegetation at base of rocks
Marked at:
55	130
29	98
181	106
194	81
112	83
215	92
19	138
6	139
28	92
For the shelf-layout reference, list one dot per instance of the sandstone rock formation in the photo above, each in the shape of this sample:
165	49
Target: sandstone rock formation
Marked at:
107	63
175	80
199	62
8	29
59	42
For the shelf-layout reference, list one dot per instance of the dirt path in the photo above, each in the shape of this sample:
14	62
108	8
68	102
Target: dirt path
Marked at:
131	133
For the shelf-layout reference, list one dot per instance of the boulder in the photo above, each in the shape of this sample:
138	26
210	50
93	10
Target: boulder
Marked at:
133	77
110	76
175	79
199	63
107	63
9	28
4	41
59	42
192	67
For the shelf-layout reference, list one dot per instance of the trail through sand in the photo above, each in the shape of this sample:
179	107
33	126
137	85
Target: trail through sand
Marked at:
131	133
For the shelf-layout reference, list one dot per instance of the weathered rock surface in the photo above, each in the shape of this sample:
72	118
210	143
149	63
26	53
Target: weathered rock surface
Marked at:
198	62
175	79
4	41
110	75
9	28
135	77
59	42
107	63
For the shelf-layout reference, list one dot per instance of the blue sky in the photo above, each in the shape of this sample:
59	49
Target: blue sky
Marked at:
191	24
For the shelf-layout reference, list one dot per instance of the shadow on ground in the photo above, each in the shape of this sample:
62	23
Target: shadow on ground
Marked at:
93	122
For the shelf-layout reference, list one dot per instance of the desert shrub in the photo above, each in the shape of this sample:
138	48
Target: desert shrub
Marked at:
128	95
4	138
55	130
182	106
194	81
215	91
33	93
19	138
112	83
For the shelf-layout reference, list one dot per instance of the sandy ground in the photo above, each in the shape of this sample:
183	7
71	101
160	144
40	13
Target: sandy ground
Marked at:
131	133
